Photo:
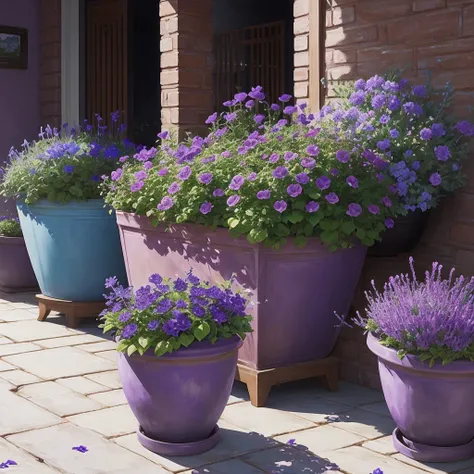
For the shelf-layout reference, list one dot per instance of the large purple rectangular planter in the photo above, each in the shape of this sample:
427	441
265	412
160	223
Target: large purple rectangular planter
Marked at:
295	291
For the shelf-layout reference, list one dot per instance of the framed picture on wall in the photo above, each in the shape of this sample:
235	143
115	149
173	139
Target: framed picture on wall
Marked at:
13	47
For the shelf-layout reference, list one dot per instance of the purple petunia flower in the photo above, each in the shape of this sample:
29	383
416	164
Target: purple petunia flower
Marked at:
206	208
184	173
163	135
233	200
69	169
285	98
387	201
313	150
230	117
165	204
153	325
237	182
291	442
394	133
280	172
294	190
438	130
205	178
354	210
174	188
256	93
290	156
359	85
323	182
419	91
383	144
343	156
435	179
332	198
352	182
259	118
280	206
125	317
411	108
373	209
81	449
211	119
357	97
384	119
117	174
393	103
312	206
264	194
378	101
250	104
275	107
302	178
290	110
442	153
140	175
163	172
309	163
426	134
129	331
218	192
137	186
465	128
389	223
252	176
240	97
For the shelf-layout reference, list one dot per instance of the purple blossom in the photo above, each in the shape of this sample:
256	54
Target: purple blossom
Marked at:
408	153
221	132
394	133
334	172
419	91
290	156
233	200
352	182
426	134
163	172
294	190
275	107
125	317
259	118
313	150
237	182
359	85
383	144
153	325
129	331
148	165
218	192
80	449
280	206
378	101
393	103
373	209
465	128
411	108
211	119
226	154
250	104
240	97
343	156
387	201
309	163
312	206
264	194
117	174
438	130
274	157
140	175
174	188
69	169
323	182
358	97
206	208
285	98
354	210
180	323
332	198
389	223
280	173
442	153
290	110
302	178
384	119
230	117
163	135
137	186
184	173
165	204
435	179
205	178
257	94
375	82
252	176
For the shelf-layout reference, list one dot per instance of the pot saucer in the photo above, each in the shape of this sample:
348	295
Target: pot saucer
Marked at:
179	449
427	453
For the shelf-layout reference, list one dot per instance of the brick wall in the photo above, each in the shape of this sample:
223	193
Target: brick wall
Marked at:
365	37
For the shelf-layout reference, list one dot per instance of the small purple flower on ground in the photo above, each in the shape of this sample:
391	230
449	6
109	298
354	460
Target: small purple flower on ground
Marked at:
312	206
291	442
280	206
323	182
332	198
294	190
80	449
354	210
233	200
264	194
435	179
206	208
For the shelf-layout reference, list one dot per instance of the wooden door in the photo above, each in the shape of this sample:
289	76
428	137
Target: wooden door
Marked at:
107	60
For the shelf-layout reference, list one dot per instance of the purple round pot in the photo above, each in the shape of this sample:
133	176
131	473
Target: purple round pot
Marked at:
433	407
179	397
16	273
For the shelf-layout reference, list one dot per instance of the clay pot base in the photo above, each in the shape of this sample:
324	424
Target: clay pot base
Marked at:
179	449
427	453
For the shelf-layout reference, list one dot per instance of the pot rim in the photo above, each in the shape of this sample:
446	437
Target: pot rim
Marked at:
413	363
87	204
12	240
197	350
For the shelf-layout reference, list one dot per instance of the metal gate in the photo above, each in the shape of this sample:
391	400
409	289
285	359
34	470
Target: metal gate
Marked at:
249	57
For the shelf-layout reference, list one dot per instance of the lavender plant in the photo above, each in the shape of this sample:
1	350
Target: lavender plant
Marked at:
167	315
10	227
432	319
409	125
264	171
64	165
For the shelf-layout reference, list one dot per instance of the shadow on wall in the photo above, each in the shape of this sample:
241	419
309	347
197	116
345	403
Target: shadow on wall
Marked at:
19	88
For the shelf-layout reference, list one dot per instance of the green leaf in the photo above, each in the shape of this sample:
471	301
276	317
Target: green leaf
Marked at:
295	217
300	241
162	348
122	345
315	218
108	327
368	242
233	222
372	234
308	230
360	234
186	339
348	227
175	343
329	224
314	194
281	230
131	349
143	341
299	205
201	331
329	236
249	212
258	235
150	212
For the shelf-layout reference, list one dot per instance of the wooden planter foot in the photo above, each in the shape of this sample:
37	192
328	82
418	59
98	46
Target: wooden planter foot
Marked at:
260	382
73	310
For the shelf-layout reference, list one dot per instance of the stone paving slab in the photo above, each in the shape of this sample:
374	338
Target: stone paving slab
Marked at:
110	399
50	364
365	423
381	445
83	385
12	349
19	377
17	315
27	331
98	346
58	399
55	445
109	379
235	466
72	340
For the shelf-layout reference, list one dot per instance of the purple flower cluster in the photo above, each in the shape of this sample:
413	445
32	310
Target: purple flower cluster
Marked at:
422	315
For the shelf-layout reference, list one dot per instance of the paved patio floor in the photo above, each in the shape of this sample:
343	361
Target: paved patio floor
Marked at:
59	389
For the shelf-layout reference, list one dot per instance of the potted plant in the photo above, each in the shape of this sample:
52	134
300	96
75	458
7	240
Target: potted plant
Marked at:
287	207
410	126
177	343
71	236
423	336
16	273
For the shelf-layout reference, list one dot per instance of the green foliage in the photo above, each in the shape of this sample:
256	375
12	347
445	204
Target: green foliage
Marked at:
10	227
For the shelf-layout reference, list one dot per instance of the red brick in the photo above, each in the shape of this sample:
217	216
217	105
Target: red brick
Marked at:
446	47
423	5
300	8
463	233
380	59
448	61
51	81
426	28
202	100
458	78
374	11
342	16
340	36
468	21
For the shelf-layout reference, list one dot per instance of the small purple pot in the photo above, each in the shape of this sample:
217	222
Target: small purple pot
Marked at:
16	273
433	407
179	397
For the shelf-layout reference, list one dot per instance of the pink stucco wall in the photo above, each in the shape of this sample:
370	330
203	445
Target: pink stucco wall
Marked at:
19	88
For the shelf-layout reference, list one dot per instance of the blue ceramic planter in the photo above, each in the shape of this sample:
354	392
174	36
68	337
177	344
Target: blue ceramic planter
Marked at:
73	248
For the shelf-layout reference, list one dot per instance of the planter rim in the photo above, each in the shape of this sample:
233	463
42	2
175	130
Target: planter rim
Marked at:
413	363
12	240
88	204
197	350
